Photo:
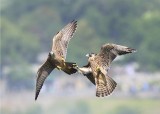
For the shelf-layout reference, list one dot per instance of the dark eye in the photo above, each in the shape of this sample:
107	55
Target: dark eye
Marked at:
57	32
50	54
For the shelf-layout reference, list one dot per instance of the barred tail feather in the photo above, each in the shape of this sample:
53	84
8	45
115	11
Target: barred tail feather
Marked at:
103	90
111	84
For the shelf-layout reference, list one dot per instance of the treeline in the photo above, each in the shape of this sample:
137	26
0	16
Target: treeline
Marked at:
27	28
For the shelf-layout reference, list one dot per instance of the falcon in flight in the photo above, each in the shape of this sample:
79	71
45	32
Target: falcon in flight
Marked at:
57	56
98	65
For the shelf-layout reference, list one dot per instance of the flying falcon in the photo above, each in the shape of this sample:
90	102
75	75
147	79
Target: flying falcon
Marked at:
57	56
98	65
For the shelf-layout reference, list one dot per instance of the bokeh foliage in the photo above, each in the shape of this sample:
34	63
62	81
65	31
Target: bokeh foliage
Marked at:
27	28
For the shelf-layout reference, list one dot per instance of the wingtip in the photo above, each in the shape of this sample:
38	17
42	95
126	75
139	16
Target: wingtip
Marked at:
35	98
74	24
134	50
131	50
74	21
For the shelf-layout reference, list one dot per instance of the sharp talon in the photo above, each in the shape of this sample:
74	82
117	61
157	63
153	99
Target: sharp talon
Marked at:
63	60
58	67
74	65
64	64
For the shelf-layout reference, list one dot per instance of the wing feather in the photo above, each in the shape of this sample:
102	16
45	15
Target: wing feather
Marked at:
90	77
109	52
62	38
85	70
42	74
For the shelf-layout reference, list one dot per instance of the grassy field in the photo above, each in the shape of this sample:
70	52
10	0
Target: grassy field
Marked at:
25	104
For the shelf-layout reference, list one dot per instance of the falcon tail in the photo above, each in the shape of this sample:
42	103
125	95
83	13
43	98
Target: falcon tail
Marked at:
105	90
69	68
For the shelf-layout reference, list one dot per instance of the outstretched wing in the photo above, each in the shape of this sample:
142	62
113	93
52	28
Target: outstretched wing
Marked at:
62	38
42	74
110	51
90	77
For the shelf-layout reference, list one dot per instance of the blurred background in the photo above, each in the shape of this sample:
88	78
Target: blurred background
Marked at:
27	28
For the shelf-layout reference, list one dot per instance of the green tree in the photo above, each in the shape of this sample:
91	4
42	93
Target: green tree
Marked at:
16	45
131	23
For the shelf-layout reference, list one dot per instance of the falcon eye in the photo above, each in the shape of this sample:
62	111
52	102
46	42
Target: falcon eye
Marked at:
50	54
57	32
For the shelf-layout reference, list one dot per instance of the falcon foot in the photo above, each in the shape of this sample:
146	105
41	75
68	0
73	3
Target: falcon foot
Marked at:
64	64
59	68
75	66
63	61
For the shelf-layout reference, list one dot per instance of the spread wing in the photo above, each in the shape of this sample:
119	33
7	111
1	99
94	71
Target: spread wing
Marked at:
111	51
62	38
90	77
42	74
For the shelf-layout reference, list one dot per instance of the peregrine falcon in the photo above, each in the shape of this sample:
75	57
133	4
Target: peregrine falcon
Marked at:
57	56
98	65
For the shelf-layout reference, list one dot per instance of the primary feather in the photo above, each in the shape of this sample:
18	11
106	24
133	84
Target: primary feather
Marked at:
62	38
42	74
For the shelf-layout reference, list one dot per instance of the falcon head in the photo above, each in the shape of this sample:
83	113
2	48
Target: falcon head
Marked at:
51	55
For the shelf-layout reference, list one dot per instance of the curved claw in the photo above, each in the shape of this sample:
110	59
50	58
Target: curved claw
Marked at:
75	66
59	68
63	60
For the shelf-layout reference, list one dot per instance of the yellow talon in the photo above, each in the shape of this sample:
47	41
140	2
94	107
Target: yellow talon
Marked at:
74	65
64	64
63	60
59	68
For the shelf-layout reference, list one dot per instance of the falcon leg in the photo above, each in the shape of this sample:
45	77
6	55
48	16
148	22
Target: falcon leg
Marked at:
63	61
77	68
84	71
98	69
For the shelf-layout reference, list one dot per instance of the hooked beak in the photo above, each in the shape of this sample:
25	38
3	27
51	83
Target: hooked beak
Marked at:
51	52
87	55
